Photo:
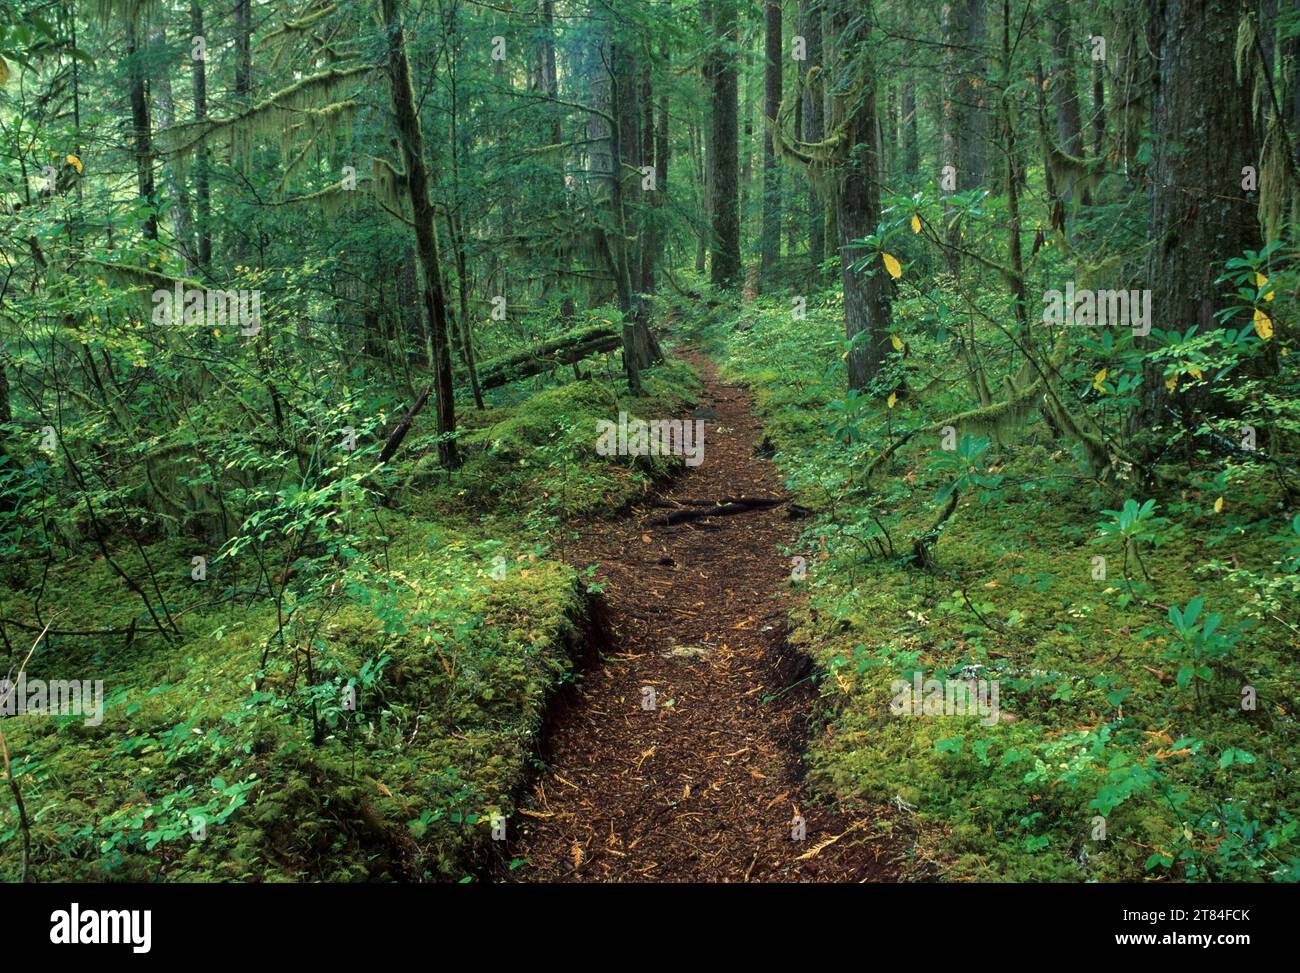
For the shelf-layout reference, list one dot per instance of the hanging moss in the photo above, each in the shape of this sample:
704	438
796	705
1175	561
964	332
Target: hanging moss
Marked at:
302	106
291	29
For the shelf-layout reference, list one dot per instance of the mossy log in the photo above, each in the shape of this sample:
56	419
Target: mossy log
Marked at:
560	351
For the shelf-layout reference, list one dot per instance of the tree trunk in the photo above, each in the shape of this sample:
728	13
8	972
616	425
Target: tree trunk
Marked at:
142	128
455	223
911	138
973	92
422	216
202	195
1098	109
243	49
1202	138
164	108
951	135
1015	256
866	295
771	241
724	151
1131	92
653	252
699	140
1290	55
1065	95
814	125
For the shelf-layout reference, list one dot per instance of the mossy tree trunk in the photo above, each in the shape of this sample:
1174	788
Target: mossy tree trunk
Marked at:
422	218
814	125
857	194
1200	217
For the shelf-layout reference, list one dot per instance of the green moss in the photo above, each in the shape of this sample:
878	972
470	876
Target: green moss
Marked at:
453	625
1084	670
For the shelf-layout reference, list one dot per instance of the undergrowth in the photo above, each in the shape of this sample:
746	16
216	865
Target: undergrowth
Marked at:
1146	727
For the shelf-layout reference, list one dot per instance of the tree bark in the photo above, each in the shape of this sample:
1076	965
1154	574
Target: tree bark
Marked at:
1065	95
1098	109
771	240
422	216
973	92
1203	136
164	108
243	49
911	138
866	294
814	125
142	128
203	198
724	150
951	134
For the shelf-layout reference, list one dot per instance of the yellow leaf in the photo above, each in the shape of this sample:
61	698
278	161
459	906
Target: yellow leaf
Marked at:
916	223
75	163
4	71
893	397
1171	382
1194	372
1263	325
1260	280
898	345
892	265
1098	379
1218	505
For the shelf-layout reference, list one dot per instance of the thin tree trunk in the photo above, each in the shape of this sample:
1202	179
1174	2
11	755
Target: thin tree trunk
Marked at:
1015	255
422	216
951	135
911	138
814	126
182	221
1098	109
142	128
243	49
202	195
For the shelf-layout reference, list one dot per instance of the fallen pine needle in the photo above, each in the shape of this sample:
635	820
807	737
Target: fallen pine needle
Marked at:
830	841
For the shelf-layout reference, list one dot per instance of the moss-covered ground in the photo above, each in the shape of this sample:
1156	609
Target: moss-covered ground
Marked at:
361	714
1125	748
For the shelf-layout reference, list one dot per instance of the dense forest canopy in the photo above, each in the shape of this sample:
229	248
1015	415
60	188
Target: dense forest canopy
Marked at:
310	312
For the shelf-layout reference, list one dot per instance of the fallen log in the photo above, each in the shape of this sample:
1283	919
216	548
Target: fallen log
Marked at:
758	503
726	508
549	354
398	434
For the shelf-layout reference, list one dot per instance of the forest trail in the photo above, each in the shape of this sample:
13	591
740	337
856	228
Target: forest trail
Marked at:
705	786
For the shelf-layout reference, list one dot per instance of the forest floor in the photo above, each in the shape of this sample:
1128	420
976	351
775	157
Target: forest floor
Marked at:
707	784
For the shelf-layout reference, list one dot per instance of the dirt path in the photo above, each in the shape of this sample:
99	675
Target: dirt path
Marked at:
705	786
